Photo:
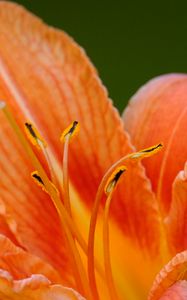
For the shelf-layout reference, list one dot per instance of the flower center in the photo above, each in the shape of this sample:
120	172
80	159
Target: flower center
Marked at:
86	280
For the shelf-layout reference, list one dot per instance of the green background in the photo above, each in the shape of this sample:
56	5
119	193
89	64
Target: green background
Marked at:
129	42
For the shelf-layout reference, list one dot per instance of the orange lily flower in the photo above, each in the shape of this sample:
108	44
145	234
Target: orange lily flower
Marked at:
67	227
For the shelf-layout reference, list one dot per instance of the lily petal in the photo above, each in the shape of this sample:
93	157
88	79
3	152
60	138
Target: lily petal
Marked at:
21	264
5	230
35	287
176	221
178	291
175	270
56	84
136	208
28	210
25	276
158	112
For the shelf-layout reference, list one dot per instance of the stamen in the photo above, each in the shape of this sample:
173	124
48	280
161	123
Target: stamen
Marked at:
66	136
70	131
37	140
41	171
34	135
91	239
147	152
22	139
62	212
113	179
80	274
35	175
69	228
38	179
110	187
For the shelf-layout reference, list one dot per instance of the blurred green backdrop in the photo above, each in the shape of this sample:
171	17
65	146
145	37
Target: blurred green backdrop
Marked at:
128	41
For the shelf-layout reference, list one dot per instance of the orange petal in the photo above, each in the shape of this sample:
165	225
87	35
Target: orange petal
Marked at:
175	270
56	84
24	275
5	230
178	291
158	112
136	210
34	287
28	210
21	264
176	221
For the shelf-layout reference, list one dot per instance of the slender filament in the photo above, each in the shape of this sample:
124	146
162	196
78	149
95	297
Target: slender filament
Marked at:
67	203
109	190
80	274
106	250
